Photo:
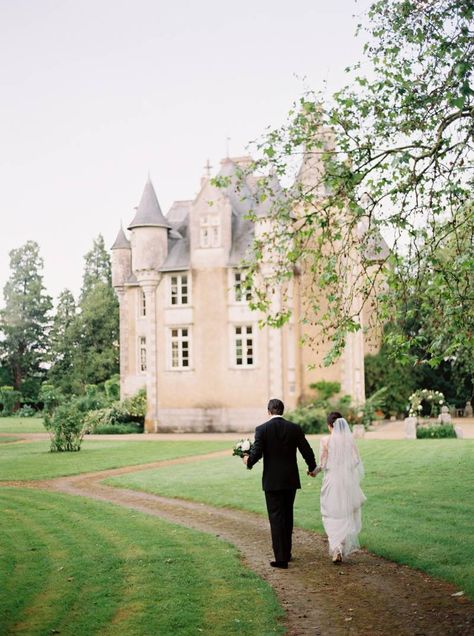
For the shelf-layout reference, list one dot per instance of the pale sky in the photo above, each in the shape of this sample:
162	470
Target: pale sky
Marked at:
96	94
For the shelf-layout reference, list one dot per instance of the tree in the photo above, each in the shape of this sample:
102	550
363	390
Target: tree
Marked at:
390	155
62	343
24	321
97	268
95	331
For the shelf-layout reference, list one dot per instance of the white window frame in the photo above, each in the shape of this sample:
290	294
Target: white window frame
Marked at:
238	290
179	289
248	334
179	342
142	357
210	230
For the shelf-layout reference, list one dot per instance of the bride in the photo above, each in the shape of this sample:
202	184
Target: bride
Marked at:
341	495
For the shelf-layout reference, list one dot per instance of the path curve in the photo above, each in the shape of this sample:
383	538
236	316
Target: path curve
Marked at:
364	596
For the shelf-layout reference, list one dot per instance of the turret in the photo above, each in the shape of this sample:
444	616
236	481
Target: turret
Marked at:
121	260
149	239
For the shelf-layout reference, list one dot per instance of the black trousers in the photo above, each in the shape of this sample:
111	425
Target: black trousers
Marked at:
280	514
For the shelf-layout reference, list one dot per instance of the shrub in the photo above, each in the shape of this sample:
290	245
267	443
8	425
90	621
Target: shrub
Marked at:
112	388
130	411
51	397
66	428
25	411
310	417
98	418
9	399
399	381
325	390
135	406
372	404
92	399
118	429
435	432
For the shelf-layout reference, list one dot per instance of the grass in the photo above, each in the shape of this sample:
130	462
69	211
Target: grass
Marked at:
419	509
77	567
21	425
33	460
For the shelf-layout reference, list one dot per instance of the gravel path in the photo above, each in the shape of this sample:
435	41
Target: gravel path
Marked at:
366	595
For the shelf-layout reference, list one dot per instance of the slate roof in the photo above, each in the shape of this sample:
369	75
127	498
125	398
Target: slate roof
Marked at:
242	199
149	212
178	255
121	242
178	212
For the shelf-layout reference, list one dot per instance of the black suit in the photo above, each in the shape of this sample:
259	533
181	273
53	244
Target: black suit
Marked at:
277	441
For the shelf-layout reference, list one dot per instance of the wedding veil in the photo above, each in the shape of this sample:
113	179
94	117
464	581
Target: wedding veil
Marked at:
341	495
343	452
345	466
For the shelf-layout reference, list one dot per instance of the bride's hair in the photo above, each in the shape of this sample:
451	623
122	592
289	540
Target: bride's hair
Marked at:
332	417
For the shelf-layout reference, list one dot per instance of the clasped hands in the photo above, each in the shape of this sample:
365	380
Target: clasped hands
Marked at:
311	473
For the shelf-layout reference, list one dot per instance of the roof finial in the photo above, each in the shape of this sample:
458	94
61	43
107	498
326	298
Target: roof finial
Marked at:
227	147
208	168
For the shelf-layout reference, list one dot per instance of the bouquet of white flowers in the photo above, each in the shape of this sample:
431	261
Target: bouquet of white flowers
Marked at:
243	447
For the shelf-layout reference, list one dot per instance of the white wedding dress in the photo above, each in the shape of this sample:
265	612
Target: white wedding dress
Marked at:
341	495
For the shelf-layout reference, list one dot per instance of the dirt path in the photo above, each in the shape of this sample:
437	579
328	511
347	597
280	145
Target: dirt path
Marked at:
364	596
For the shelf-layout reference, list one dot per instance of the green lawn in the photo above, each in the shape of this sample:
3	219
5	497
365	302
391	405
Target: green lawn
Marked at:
34	461
77	567
21	425
419	511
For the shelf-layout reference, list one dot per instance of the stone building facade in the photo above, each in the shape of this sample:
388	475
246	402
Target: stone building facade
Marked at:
187	333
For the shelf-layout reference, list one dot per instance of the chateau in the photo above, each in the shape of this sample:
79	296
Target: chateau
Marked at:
187	333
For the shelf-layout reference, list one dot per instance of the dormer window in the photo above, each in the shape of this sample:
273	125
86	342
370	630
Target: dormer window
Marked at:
210	230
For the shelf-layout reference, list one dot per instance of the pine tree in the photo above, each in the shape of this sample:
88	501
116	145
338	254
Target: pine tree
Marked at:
97	268
24	321
96	328
62	343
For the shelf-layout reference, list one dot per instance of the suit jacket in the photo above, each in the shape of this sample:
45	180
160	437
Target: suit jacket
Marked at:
277	441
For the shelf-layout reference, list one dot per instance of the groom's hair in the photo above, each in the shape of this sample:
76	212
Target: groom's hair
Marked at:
332	417
276	407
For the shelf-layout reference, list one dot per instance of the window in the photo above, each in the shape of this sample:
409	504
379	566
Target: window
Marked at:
240	292
210	235
143	304
142	353
180	348
243	346
179	289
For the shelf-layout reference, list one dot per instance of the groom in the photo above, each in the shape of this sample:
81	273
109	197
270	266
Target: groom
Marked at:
277	440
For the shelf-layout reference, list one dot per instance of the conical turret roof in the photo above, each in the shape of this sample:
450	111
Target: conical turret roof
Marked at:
121	242
149	213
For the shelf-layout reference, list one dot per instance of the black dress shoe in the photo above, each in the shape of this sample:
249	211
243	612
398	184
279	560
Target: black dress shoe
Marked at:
279	564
